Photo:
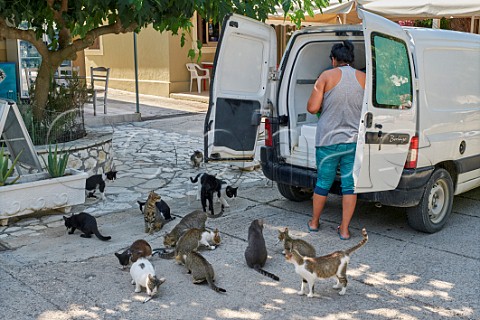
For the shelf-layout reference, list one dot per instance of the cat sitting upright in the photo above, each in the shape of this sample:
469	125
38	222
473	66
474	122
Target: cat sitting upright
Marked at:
97	181
85	223
330	265
196	159
209	185
256	251
162	208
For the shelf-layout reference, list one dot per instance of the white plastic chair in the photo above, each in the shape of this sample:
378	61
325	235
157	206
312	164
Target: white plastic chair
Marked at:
64	73
30	77
194	69
99	75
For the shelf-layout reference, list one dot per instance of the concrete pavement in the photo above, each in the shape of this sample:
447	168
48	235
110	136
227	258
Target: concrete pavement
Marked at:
399	274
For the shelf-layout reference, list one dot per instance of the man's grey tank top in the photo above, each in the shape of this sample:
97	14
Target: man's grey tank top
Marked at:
341	110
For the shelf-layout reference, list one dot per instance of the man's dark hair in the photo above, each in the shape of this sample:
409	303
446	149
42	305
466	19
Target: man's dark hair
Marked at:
343	52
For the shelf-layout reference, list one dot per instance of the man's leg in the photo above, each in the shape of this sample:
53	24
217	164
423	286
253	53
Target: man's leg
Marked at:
327	162
318	204
349	199
349	202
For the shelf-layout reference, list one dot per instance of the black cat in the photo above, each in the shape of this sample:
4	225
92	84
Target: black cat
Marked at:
209	185
162	207
85	223
98	181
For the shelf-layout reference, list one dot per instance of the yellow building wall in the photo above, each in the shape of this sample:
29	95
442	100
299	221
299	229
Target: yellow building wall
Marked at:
161	62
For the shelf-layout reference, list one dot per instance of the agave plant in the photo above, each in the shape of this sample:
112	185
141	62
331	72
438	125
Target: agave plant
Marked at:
57	163
5	170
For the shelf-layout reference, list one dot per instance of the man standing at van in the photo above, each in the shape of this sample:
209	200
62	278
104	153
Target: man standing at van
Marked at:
337	98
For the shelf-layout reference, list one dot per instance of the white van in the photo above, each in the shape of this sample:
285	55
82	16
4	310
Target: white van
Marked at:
419	134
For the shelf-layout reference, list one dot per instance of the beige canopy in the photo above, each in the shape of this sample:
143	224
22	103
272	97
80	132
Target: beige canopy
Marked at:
345	12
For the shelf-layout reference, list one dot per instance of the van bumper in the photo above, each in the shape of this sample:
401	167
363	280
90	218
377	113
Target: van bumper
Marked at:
408	193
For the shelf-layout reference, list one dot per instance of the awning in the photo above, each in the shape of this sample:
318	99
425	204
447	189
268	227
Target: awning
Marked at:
422	9
396	10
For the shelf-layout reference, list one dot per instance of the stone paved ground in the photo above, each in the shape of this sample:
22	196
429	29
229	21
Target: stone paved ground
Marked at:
146	159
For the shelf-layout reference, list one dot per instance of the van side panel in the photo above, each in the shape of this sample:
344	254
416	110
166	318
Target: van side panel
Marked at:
449	103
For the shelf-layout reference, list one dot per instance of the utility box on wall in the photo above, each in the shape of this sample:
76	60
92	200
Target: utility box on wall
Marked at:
8	81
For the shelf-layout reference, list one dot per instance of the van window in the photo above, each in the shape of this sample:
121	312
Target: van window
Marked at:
392	79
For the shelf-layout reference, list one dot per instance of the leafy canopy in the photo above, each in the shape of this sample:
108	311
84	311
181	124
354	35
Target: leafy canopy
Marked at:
73	25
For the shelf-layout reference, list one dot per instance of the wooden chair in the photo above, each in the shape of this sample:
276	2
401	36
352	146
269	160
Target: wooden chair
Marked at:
194	75
99	81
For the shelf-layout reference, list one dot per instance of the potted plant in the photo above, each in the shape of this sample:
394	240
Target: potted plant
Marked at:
57	188
5	170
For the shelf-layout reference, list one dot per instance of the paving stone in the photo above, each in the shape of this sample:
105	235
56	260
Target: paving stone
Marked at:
56	224
22	232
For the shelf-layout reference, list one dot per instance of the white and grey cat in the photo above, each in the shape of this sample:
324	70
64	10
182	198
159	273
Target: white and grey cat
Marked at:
98	181
208	186
331	265
191	241
256	251
143	275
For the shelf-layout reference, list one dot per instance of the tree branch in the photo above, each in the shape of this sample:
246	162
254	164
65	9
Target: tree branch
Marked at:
7	32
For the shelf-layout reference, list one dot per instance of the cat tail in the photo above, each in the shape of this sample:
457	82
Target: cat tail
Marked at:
218	215
360	244
103	238
266	273
195	180
213	286
162	253
158	251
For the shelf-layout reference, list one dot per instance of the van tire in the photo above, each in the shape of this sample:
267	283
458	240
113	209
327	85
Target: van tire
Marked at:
435	207
297	194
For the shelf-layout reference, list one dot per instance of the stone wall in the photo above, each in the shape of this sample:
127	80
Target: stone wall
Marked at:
92	154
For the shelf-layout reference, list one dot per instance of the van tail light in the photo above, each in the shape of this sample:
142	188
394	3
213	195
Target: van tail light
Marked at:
268	133
412	157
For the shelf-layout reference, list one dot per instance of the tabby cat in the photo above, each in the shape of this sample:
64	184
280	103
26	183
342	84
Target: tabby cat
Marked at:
195	219
85	223
153	220
256	252
196	159
162	208
200	269
143	275
191	241
333	264
139	249
289	243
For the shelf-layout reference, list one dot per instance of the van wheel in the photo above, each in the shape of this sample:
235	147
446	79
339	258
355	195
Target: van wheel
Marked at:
296	194
433	211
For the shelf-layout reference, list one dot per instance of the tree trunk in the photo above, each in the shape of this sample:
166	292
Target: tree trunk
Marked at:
42	85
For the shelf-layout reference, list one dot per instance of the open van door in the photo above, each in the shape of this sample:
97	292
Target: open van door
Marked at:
388	120
244	63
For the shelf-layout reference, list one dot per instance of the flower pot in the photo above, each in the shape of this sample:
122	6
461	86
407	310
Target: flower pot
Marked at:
38	192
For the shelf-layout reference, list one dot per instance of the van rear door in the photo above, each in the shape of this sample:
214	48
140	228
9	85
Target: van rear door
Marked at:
389	109
244	62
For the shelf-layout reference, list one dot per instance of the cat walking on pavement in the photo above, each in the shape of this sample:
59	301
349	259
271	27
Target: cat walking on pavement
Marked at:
85	223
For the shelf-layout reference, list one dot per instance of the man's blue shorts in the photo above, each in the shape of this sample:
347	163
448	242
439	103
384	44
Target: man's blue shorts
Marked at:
328	158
